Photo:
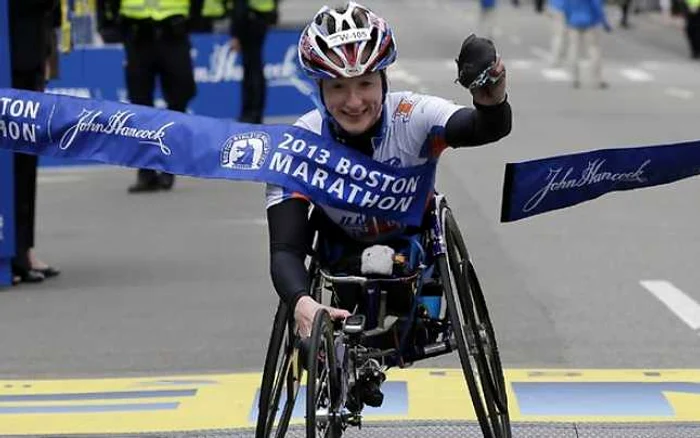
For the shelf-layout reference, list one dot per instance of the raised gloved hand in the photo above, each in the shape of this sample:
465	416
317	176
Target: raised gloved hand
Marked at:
480	69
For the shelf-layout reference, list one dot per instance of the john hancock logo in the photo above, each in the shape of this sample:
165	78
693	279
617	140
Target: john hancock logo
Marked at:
246	151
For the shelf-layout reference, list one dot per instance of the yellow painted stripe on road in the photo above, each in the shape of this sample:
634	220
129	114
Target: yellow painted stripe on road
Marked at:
224	401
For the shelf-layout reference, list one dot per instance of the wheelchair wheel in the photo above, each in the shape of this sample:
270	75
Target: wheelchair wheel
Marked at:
282	373
475	337
323	384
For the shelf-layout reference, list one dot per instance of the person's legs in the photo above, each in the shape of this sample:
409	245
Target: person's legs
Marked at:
253	88
575	36
591	38
177	82
559	33
25	169
488	22
693	32
624	13
140	85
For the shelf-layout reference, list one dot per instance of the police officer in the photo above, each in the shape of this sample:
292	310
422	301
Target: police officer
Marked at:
249	22
156	42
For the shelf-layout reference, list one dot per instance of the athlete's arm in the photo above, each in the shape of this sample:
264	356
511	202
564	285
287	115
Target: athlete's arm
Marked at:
474	127
289	231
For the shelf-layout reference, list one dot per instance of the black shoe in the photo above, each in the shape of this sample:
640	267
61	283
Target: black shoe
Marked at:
143	186
28	276
166	180
48	271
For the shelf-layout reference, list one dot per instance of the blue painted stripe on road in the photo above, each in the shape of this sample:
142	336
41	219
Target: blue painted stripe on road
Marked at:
611	399
77	409
99	395
395	402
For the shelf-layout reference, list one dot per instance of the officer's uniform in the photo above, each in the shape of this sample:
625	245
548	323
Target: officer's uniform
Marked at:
204	12
156	42
249	22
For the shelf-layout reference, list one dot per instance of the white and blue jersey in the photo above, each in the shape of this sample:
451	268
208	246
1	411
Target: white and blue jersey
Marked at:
413	133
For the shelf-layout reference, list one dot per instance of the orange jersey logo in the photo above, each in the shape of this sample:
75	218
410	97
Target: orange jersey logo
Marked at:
403	110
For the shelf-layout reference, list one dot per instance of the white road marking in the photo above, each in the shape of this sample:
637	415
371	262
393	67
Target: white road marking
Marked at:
687	309
681	93
51	179
636	75
556	74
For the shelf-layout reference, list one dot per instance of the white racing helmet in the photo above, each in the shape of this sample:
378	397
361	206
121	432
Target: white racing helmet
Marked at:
346	42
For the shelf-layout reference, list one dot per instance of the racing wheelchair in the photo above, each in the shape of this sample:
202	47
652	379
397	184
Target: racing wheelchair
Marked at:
395	322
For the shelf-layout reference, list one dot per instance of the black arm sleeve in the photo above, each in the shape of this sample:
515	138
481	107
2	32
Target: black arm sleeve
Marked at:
474	127
290	231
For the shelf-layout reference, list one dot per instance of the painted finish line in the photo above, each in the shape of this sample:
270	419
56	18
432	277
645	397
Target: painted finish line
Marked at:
200	402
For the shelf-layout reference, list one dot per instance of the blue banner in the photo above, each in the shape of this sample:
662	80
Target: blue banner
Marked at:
98	72
144	137
538	186
7	207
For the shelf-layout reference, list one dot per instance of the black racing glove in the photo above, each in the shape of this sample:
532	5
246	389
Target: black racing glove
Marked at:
476	57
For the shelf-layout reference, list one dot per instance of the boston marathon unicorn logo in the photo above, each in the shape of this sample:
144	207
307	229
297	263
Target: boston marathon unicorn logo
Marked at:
245	151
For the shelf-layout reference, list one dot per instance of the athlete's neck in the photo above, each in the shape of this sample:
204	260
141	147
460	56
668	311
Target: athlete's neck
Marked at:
359	142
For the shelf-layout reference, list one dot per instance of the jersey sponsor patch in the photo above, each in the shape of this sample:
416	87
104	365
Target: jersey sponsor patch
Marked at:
403	110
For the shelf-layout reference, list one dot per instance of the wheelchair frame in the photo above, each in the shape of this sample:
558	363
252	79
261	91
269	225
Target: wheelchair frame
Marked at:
335	359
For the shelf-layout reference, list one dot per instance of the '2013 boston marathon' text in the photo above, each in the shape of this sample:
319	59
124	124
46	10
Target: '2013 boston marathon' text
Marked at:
346	179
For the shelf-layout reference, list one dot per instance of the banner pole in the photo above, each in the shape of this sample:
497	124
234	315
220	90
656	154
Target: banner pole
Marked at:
7	196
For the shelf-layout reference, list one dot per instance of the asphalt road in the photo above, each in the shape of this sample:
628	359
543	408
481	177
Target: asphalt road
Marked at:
178	282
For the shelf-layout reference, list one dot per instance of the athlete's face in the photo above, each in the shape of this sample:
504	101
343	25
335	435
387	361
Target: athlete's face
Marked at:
355	103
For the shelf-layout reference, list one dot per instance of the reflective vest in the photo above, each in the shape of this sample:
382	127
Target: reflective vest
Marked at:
213	8
257	5
154	9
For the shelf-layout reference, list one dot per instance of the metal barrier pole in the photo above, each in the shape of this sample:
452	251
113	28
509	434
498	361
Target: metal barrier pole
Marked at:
7	196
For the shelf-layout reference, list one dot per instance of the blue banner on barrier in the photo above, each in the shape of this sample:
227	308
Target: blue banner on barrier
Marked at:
144	137
7	207
98	72
538	186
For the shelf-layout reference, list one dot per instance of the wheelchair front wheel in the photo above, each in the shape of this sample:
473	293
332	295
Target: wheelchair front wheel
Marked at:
323	417
472	328
282	372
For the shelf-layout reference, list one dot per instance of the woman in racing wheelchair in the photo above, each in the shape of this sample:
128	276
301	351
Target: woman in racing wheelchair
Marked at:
346	51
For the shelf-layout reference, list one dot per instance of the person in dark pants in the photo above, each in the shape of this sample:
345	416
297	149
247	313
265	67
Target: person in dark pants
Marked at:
157	46
692	27
624	13
30	26
250	20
